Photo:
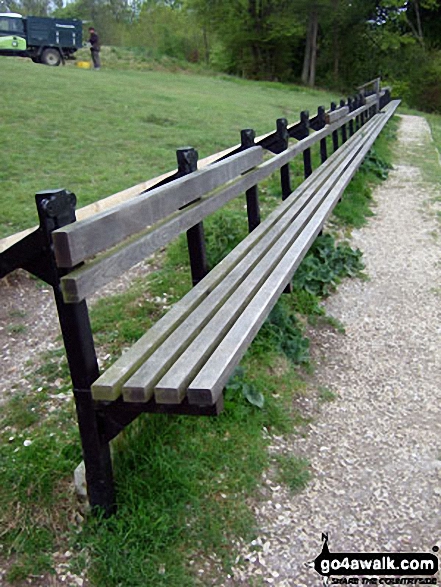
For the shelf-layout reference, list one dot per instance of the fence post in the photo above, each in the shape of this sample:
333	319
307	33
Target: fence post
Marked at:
335	133
283	137
56	208
247	137
187	163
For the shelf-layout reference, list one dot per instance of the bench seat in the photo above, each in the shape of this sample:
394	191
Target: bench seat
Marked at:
192	351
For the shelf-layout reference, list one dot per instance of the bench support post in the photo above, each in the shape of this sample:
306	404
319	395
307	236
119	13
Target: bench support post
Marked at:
285	178
362	102
307	163
351	122
56	208
323	144
357	105
187	163
335	132
247	137
344	135
283	136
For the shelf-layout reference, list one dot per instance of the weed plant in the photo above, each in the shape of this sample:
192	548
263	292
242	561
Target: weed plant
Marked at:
294	472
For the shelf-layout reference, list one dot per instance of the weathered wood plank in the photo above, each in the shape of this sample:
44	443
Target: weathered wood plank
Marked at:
81	240
84	281
81	283
214	375
375	83
371	100
228	298
140	385
109	385
171	388
334	115
210	381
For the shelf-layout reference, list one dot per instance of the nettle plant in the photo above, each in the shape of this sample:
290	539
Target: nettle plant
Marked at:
326	264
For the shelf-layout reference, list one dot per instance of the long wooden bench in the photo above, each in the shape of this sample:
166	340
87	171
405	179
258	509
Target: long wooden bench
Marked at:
183	362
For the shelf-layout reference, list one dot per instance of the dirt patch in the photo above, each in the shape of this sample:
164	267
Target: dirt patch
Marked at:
24	330
29	322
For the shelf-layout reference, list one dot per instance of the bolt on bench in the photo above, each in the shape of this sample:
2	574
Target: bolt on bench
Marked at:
181	365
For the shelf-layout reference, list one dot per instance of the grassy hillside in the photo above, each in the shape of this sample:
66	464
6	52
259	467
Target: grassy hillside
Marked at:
96	133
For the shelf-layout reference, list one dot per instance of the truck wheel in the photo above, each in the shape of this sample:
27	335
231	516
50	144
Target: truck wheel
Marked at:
51	57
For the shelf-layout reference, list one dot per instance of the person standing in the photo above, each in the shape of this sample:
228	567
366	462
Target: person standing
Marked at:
95	48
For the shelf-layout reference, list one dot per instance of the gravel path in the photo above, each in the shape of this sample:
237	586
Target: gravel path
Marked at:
375	452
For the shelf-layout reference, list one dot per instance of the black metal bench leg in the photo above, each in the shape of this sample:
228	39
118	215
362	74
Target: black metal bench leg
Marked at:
83	365
253	208
197	252
187	163
96	455
56	208
247	137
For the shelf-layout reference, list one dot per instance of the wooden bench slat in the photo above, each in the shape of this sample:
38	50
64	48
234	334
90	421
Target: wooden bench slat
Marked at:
82	240
213	376
370	100
81	283
251	270
334	115
172	387
108	386
140	385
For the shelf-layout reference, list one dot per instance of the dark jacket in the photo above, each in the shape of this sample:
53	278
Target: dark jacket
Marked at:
94	42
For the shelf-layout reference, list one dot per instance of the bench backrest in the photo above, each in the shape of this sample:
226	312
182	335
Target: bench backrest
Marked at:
98	249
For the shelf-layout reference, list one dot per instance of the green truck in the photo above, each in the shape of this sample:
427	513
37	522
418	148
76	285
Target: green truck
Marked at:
44	40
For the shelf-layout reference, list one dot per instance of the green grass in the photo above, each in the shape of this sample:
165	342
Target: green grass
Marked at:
434	121
96	133
326	395
183	484
432	159
356	205
294	472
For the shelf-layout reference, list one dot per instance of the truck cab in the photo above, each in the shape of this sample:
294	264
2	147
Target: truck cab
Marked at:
12	33
44	40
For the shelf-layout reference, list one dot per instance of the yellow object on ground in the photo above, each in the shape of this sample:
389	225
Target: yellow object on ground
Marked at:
83	64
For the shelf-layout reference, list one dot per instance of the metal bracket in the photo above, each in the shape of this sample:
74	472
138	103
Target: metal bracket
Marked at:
56	208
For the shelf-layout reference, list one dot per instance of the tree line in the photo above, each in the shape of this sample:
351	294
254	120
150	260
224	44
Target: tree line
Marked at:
332	43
